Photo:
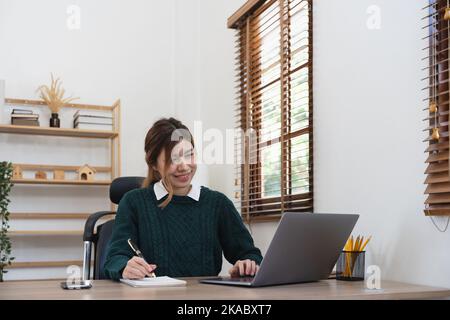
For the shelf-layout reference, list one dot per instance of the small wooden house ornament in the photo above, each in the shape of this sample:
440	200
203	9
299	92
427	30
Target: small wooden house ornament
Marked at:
17	172
40	175
58	175
86	173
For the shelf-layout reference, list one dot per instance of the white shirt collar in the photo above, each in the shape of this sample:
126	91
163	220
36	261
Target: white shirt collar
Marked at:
161	191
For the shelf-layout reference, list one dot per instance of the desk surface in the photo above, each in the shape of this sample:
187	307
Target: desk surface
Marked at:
327	289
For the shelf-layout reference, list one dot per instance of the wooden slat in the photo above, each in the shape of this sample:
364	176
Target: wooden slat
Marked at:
438	146
437	167
442	135
280	207
263	203
442	82
438	199
62	182
441	156
266	217
303	196
431	117
442	126
442	210
437	178
443	187
45	264
278	211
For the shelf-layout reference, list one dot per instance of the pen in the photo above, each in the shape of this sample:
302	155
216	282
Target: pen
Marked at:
138	252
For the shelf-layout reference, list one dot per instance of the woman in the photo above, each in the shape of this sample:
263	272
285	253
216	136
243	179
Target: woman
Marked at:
181	229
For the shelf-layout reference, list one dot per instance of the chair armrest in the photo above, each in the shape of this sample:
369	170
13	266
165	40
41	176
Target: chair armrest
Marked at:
88	234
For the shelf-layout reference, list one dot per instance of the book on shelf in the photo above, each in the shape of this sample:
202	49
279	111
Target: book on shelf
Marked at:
25	122
93	119
93	126
24	116
21	111
93	113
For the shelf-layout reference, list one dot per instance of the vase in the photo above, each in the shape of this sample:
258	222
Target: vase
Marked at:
54	121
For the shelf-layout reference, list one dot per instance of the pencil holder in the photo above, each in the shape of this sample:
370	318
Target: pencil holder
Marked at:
351	266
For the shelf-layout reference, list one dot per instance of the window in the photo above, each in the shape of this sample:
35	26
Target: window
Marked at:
437	172
274	107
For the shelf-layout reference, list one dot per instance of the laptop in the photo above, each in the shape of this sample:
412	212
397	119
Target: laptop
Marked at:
305	248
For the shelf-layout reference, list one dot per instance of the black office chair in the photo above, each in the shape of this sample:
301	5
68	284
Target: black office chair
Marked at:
100	238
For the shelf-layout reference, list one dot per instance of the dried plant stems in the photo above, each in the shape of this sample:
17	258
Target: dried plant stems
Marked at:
54	96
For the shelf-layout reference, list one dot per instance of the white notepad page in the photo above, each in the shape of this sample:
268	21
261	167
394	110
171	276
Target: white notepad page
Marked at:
154	282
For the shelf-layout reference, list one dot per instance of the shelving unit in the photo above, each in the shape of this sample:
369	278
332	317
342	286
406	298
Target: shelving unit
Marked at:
113	169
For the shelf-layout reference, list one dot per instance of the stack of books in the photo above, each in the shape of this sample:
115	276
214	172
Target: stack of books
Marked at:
93	120
22	117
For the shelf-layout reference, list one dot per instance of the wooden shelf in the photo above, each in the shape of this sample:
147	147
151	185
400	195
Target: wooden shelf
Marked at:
41	103
65	182
50	167
44	215
45	233
61	132
45	264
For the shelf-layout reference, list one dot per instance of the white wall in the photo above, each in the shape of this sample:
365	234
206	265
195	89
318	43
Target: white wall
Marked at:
159	60
368	134
124	51
368	131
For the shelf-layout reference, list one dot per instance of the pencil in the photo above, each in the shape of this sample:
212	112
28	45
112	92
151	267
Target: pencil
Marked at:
365	243
357	243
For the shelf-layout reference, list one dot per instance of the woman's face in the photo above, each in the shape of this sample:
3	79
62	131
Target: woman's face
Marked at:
182	165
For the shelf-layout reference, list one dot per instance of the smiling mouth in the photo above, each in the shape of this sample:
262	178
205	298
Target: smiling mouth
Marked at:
182	175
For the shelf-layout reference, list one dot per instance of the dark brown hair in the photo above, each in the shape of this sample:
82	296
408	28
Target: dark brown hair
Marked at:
164	135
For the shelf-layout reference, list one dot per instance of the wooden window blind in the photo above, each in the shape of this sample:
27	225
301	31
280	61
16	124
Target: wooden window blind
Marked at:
274	108
437	181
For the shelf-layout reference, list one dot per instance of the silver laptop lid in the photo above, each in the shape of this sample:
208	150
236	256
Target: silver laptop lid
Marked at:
305	247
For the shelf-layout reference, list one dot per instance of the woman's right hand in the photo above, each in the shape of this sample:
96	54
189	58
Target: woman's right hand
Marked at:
137	268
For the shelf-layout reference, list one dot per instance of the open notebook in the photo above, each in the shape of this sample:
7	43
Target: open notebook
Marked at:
155	282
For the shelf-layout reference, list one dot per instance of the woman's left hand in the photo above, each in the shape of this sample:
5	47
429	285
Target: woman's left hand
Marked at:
244	268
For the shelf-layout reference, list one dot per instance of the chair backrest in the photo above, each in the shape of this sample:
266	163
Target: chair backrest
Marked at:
122	185
104	232
117	190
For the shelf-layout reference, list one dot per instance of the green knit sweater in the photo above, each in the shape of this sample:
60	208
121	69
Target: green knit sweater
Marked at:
185	239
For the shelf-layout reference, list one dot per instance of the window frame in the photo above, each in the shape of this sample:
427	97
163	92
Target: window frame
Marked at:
250	175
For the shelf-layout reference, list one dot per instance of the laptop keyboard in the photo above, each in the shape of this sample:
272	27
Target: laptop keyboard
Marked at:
242	279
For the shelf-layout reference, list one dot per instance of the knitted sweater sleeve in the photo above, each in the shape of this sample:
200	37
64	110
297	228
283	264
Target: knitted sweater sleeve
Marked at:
125	227
236	241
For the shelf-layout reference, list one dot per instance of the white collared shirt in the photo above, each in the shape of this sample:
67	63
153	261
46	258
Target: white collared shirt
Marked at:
161	191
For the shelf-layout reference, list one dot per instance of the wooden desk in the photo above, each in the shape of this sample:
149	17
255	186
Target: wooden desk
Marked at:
328	289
